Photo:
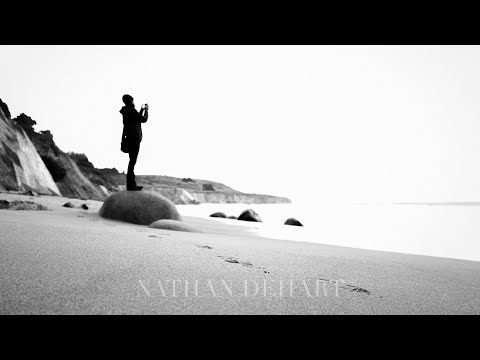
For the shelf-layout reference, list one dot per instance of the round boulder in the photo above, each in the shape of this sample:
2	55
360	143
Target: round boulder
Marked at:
232	217
219	215
249	215
173	225
292	221
138	207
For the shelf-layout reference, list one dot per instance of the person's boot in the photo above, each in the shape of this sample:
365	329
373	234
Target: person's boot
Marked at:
134	188
131	183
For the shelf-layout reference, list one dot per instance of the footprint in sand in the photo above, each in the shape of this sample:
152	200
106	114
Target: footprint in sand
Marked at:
204	246
155	236
357	289
234	260
160	236
347	287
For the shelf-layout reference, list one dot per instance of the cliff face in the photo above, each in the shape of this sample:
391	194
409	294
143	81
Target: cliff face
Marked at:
238	197
217	197
110	180
21	167
76	184
67	175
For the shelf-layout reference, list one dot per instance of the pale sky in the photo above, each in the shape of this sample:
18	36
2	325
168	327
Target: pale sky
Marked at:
314	123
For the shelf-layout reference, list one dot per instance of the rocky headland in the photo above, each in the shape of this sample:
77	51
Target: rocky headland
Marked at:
31	161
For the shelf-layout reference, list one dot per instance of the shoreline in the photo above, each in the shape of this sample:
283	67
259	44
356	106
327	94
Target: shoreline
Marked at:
72	261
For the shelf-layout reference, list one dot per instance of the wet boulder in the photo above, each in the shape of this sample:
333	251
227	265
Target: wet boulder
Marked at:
292	221
249	215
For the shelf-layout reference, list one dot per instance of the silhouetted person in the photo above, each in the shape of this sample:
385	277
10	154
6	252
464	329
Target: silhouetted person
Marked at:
132	130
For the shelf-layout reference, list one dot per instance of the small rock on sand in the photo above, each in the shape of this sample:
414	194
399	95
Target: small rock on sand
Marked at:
30	193
174	225
84	206
219	215
69	205
26	205
4	204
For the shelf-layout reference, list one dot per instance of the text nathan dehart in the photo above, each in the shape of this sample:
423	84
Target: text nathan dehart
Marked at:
246	288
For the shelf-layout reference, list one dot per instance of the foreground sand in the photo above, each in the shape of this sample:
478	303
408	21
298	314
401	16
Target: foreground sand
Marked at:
71	261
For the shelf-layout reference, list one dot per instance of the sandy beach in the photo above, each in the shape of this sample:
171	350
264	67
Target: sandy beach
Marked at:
72	261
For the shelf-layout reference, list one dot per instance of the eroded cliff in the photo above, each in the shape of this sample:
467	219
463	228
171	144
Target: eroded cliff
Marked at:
21	167
68	177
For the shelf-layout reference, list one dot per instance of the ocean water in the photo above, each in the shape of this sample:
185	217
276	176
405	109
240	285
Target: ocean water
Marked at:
451	231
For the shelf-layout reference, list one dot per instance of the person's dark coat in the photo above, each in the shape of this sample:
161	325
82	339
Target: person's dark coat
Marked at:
132	123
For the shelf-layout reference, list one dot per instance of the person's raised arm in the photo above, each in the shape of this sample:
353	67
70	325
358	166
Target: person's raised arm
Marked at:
144	114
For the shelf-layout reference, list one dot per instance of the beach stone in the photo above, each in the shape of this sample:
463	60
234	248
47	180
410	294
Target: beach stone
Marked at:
250	215
4	204
84	206
174	225
26	205
219	215
292	221
138	207
69	205
232	217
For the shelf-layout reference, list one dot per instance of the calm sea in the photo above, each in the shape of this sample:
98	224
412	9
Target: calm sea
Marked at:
434	230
